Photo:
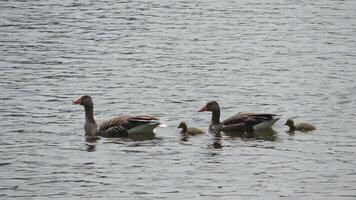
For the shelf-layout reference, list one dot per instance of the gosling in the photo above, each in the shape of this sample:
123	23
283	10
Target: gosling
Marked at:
189	131
299	127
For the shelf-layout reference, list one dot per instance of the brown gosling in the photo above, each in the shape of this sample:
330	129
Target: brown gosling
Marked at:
299	127
190	130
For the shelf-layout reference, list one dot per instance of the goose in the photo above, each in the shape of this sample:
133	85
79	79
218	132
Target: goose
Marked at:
241	122
120	126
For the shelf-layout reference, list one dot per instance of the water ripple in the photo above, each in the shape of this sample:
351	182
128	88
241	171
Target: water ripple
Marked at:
169	59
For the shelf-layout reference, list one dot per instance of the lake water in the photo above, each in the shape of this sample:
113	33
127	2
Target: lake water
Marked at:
168	58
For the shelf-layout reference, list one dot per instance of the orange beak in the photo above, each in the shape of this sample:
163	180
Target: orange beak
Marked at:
77	101
203	109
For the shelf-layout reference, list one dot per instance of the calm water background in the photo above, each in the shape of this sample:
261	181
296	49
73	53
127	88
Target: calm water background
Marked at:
168	58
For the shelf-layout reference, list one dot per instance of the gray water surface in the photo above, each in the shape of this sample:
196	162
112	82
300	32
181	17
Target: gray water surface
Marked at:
168	58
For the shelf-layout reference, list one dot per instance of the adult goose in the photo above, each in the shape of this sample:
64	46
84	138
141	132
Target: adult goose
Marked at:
189	131
120	126
299	127
241	122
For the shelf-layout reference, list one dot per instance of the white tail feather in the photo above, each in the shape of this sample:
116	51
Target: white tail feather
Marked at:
144	128
267	124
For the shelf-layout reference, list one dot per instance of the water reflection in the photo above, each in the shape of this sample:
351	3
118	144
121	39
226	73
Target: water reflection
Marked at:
216	142
262	134
142	136
91	143
268	134
184	138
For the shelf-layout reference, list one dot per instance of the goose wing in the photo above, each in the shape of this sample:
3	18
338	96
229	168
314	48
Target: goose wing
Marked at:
249	118
120	126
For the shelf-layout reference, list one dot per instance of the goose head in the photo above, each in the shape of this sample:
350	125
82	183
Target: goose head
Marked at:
84	100
210	106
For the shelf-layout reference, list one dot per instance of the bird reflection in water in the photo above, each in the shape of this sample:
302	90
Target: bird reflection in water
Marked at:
91	143
184	138
267	134
216	140
217	143
142	136
263	134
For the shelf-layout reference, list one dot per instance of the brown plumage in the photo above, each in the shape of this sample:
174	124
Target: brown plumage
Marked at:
241	122
120	126
299	127
190	130
252	118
